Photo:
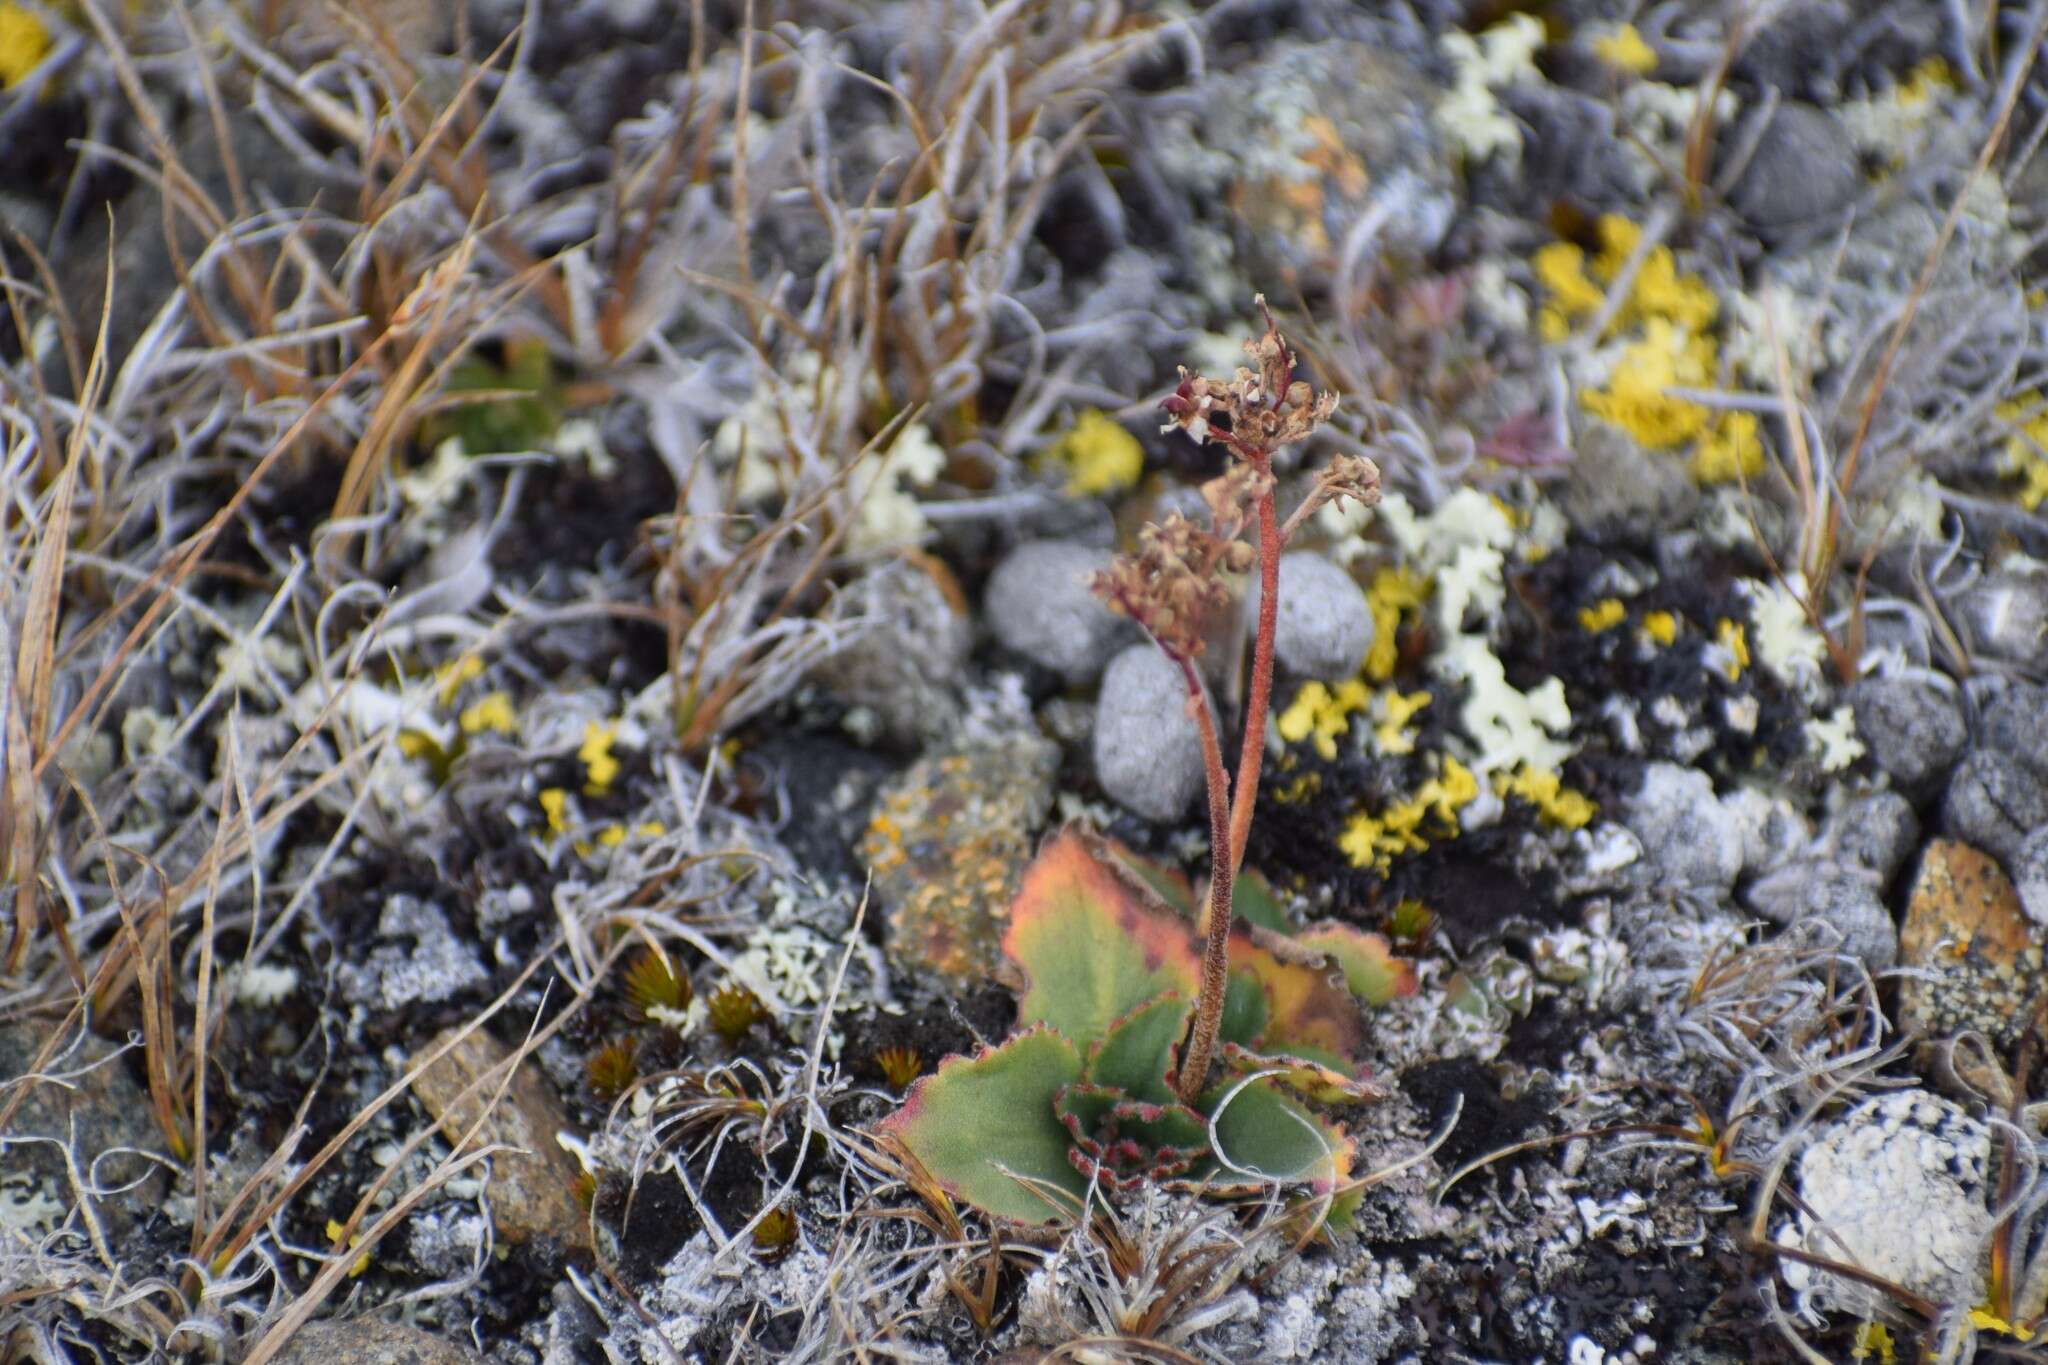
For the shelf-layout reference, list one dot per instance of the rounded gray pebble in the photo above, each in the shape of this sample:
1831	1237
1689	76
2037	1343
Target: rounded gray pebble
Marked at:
1993	801
1148	753
2016	723
1879	832
1912	730
1693	841
2030	875
1804	166
1039	606
1324	626
1850	905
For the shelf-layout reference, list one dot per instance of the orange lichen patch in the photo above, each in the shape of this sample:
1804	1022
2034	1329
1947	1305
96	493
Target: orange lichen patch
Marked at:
1980	966
947	844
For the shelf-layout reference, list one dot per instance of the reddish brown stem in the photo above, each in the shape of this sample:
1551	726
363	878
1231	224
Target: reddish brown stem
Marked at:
1253	754
1194	1069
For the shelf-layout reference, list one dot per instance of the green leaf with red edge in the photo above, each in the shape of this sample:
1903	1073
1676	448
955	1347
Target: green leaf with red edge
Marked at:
1091	946
976	1118
1270	1139
1307	1005
1169	885
1371	971
1136	1056
1124	1141
1318	1076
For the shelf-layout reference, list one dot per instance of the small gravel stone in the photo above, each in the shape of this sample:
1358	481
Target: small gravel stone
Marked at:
1039	606
1773	833
530	1186
372	1341
1804	167
1693	841
1993	800
1879	832
2006	613
2016	723
1324	626
1148	753
1901	1180
1912	730
2030	875
1849	904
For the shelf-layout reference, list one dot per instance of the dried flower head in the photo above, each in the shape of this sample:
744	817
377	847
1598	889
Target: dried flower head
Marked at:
1253	413
733	1009
899	1065
652	983
1173	584
612	1069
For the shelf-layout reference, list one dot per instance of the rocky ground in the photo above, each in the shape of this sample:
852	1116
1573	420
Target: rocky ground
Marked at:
545	612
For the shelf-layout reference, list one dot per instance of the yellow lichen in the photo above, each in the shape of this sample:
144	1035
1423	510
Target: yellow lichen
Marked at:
1603	615
2026	452
1984	1320
1395	593
449	677
1559	805
1661	626
1635	398
1318	711
1374	841
611	836
1393	710
1730	452
24	40
1561	269
1734	640
417	744
362	1262
1102	456
599	767
493	712
1625	50
554	803
1874	1341
1931	77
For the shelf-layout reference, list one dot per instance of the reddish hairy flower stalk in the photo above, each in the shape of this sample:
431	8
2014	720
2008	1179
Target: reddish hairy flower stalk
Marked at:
1172	584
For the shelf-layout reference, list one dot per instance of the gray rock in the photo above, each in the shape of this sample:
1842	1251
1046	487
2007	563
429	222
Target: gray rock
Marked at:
1691	839
1804	167
1993	801
1324	626
2006	612
1773	833
1900	1187
1039	606
1849	904
902	672
1878	832
1148	753
2016	722
531	1184
1611	487
1912	730
372	1341
96	1111
2030	875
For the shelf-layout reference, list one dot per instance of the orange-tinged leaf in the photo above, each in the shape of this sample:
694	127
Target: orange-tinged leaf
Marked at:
1371	970
1091	948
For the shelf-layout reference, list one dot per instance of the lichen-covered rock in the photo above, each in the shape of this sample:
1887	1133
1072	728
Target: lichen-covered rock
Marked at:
1849	905
97	1111
1039	605
530	1186
1148	752
373	1341
1773	832
417	958
1910	728
901	673
2006	613
1693	841
1980	961
1993	800
1898	1187
947	843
